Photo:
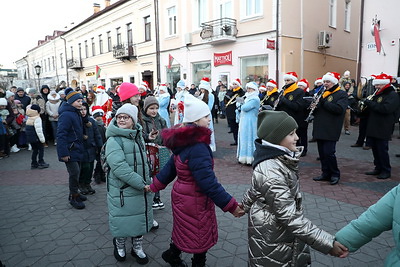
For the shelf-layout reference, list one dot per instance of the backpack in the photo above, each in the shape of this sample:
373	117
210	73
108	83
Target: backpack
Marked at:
103	159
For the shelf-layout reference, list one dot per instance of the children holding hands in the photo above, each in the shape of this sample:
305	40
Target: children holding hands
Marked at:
279	233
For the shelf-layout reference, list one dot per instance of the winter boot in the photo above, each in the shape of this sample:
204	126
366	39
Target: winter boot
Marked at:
83	189
43	165
199	260
97	178
76	202
173	256
90	190
34	165
119	249
137	250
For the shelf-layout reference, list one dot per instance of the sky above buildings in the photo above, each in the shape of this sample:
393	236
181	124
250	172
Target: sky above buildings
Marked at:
24	22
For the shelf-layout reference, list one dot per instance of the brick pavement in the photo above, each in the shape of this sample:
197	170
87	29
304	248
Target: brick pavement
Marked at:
39	228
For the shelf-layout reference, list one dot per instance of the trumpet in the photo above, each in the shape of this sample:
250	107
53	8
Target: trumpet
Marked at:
314	104
361	103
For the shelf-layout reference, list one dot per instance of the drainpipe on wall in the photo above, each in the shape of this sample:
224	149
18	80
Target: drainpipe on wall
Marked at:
360	41
277	45
66	60
156	25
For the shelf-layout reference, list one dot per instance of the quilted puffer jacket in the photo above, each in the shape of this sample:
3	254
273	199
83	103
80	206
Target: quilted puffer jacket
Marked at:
383	216
278	231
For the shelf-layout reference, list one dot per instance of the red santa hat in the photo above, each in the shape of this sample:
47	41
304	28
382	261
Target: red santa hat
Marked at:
262	88
205	84
291	76
272	83
382	79
100	89
332	77
97	110
237	82
163	87
144	85
304	82
318	80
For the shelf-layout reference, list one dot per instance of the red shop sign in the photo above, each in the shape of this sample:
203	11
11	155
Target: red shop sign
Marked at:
223	58
271	44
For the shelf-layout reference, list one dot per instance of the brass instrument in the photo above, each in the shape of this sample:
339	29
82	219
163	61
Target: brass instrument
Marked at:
361	103
314	104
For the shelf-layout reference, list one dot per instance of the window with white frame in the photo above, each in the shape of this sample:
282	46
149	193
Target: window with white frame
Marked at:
100	44
86	49
109	44
61	60
129	33
201	10
225	9
332	13
119	40
254	68
171	20
252	8
93	47
347	15
147	29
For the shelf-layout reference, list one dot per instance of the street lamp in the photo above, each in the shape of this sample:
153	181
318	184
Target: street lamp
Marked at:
38	70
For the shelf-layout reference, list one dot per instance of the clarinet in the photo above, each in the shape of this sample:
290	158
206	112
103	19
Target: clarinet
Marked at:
314	104
278	99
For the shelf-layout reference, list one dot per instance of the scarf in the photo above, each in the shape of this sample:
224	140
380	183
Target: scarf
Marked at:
331	91
272	91
383	89
289	88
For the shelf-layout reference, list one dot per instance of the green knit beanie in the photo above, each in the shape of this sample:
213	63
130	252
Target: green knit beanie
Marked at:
274	126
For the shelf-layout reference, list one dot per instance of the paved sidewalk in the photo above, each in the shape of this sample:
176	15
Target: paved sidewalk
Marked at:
39	228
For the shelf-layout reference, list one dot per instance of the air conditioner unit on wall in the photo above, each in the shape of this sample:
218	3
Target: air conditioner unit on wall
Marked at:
324	39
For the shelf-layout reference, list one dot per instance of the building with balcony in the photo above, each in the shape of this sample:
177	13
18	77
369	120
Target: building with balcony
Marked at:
165	41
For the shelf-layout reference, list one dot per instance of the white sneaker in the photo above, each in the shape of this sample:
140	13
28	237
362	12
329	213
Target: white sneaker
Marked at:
29	147
14	149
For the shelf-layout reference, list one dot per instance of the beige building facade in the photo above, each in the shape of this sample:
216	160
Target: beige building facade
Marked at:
252	40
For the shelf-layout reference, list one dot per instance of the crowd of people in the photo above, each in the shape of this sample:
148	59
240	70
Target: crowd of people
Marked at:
141	136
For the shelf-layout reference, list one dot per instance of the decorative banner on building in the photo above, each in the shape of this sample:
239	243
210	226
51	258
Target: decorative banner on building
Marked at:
223	58
88	74
376	28
98	72
170	60
271	44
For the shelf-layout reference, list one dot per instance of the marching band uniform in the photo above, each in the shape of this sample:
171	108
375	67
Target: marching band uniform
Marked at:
230	107
382	115
328	121
268	101
293	103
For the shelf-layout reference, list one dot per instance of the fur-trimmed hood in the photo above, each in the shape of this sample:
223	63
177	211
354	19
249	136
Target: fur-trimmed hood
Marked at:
182	136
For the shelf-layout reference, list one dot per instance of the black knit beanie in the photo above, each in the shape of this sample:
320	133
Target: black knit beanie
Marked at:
274	126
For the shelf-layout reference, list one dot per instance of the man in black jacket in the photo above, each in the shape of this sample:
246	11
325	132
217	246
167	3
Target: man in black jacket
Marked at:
328	122
230	100
293	103
383	113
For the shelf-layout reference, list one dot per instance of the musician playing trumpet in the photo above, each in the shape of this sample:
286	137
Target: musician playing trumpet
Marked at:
293	103
235	91
329	114
270	97
382	114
